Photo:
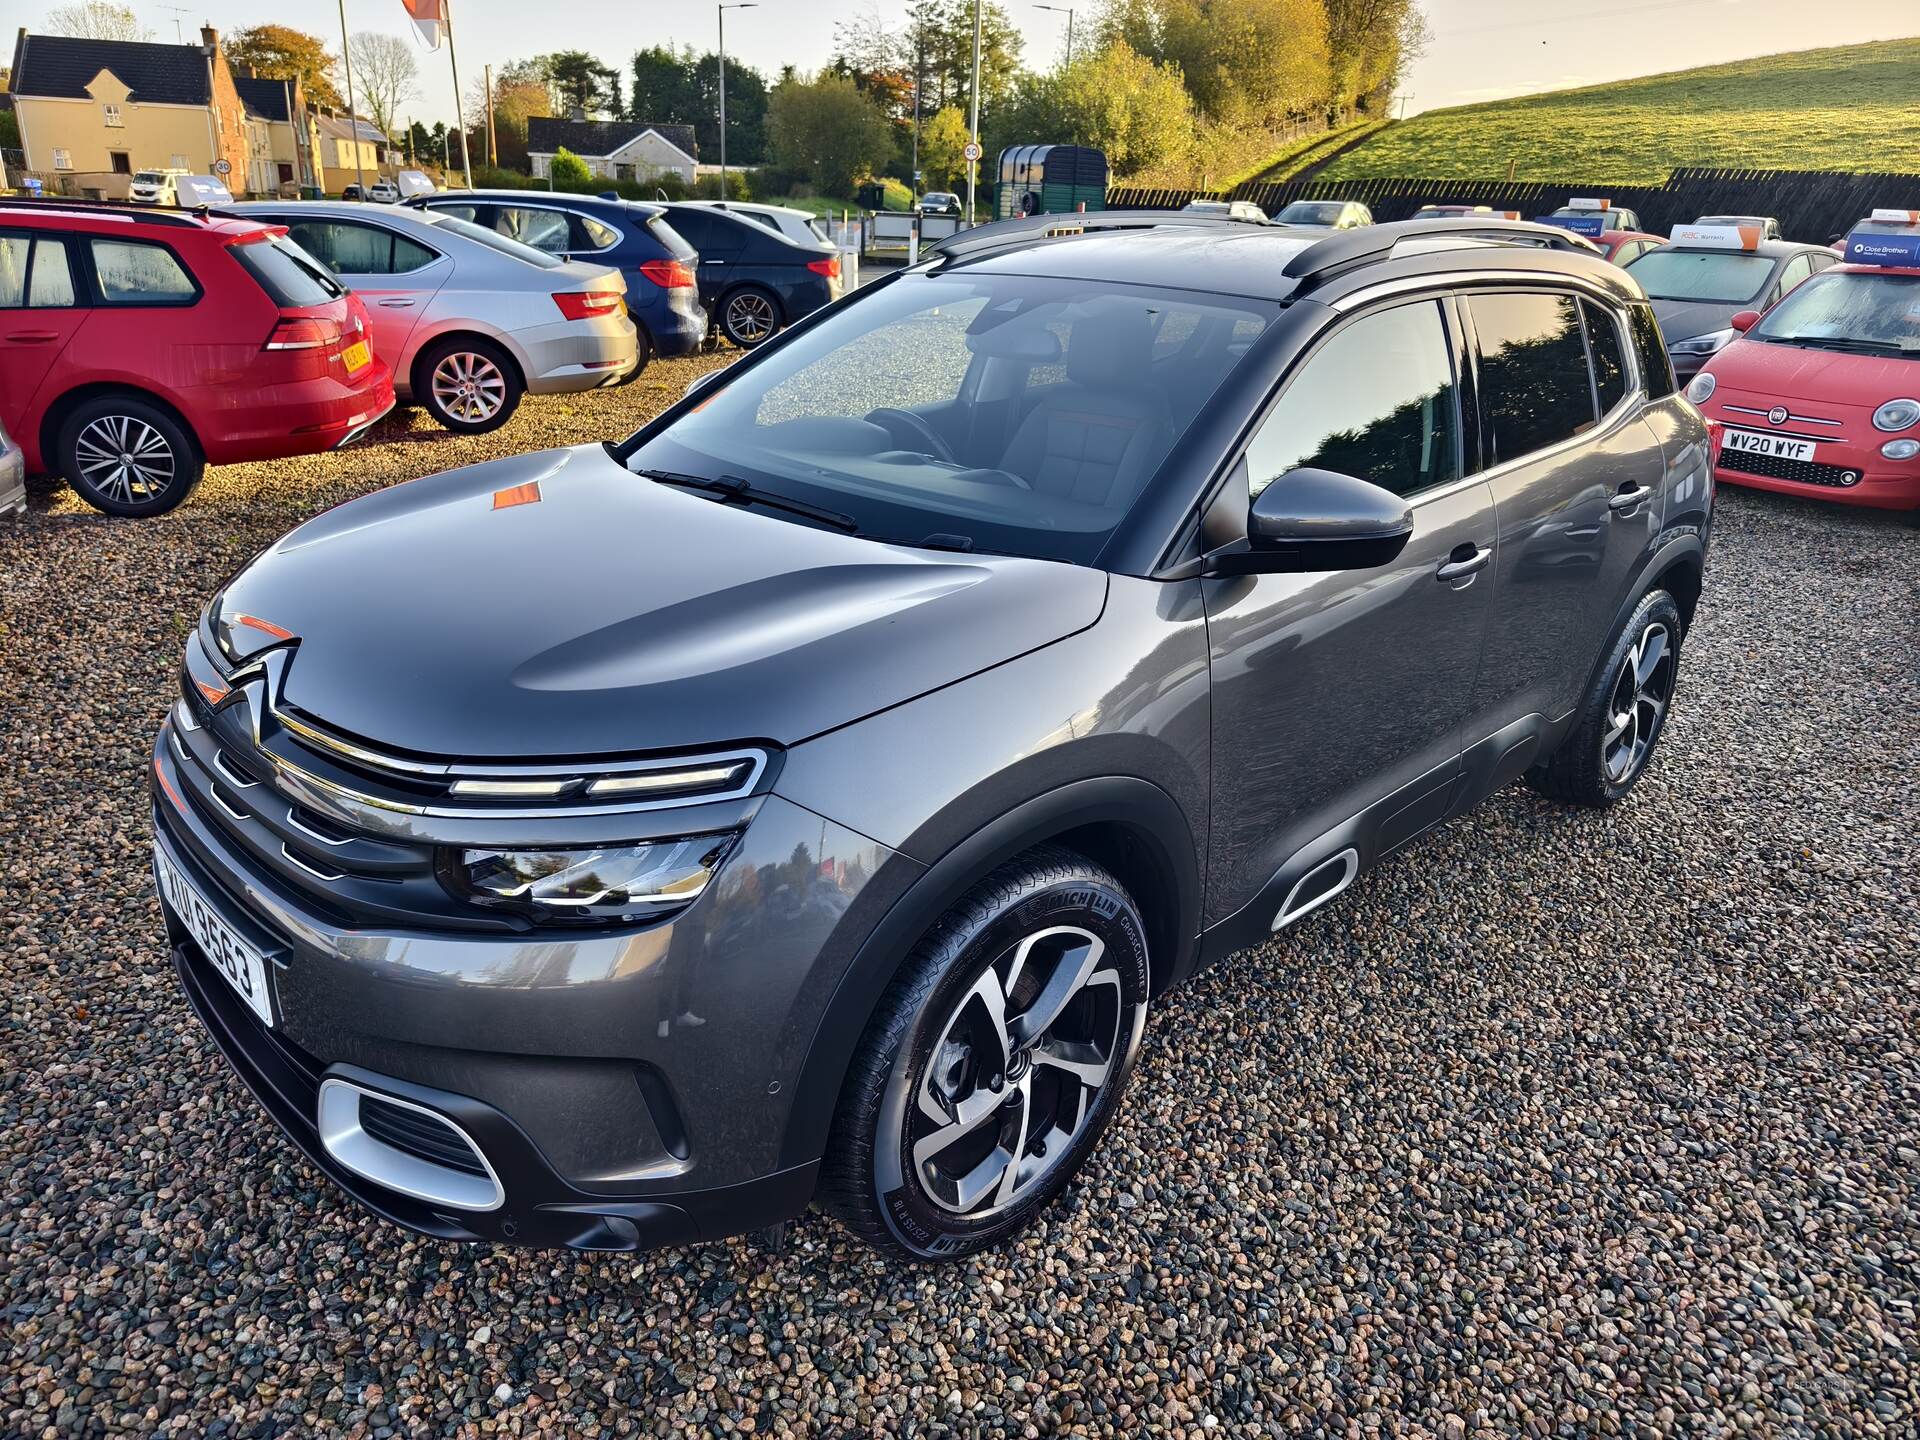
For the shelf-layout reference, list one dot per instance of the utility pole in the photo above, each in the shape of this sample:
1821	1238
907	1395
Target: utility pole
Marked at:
919	79
1402	101
353	117
459	118
493	151
721	10
973	124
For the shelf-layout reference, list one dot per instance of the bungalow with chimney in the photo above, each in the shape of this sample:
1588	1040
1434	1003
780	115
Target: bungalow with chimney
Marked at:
613	149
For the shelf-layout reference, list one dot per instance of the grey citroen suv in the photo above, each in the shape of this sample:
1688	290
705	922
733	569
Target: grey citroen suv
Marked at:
805	798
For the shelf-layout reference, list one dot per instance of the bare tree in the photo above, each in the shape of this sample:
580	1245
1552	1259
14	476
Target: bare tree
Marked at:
384	76
97	20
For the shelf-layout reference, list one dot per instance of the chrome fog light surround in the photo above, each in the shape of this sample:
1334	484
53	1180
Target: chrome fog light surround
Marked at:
346	1141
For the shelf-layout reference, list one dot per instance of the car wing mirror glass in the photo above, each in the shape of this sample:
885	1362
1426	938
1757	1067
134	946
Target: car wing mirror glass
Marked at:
1312	519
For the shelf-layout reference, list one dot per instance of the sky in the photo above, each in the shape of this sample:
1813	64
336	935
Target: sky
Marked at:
1480	50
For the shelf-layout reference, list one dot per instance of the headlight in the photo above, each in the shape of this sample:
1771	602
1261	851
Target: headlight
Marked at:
1896	415
1711	343
605	882
1700	388
1900	449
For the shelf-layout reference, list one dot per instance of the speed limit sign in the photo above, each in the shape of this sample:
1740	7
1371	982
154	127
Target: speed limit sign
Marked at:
973	151
223	167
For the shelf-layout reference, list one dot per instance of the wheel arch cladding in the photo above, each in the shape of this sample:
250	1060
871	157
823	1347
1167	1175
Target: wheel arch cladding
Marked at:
1128	825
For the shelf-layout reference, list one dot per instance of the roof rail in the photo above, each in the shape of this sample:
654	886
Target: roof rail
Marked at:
1039	227
161	214
1357	246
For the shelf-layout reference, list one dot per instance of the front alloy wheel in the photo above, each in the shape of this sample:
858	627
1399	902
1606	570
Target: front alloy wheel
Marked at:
750	318
1641	690
994	1061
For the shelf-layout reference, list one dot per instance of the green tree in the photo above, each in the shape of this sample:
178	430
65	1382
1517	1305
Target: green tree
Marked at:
1245	62
827	129
569	171
1369	44
942	141
97	20
1122	103
582	83
279	52
684	89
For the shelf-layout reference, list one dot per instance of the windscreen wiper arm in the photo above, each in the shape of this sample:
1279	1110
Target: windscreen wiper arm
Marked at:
734	491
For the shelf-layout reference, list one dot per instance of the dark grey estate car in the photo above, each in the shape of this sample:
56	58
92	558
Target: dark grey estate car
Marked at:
806	797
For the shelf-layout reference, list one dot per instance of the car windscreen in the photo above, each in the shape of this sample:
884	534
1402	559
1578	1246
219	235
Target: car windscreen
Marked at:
1849	310
148	177
493	240
1714	277
1310	212
1024	415
287	273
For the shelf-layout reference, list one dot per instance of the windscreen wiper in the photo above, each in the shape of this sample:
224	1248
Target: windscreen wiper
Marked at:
1842	342
732	490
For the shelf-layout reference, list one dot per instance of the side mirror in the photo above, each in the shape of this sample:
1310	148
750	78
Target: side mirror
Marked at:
701	382
1312	519
1745	320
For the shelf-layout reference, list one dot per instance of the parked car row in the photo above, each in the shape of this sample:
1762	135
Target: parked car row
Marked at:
291	326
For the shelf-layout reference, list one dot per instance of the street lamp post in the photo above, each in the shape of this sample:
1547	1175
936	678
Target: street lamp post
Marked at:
1066	10
722	15
973	122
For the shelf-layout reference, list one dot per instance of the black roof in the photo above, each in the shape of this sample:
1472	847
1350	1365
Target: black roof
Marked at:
262	97
63	66
546	135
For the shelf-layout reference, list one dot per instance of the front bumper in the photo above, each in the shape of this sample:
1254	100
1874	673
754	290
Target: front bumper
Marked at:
1876	483
630	1089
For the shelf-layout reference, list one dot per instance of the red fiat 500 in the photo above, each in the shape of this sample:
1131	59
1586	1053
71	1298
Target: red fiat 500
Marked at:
1821	395
137	346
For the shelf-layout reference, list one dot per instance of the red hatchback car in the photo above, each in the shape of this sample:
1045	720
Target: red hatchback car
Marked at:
1820	395
137	346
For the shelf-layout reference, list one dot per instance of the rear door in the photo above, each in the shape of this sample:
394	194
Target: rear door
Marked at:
1338	696
394	275
40	313
1575	473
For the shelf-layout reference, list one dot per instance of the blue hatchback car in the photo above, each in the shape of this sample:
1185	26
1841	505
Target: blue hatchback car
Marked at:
632	237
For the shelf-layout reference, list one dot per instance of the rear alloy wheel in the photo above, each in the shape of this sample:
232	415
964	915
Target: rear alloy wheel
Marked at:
994	1061
469	385
127	456
1623	713
750	317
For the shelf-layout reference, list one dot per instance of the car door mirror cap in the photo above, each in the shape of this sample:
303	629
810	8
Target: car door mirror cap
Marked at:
1311	519
1744	320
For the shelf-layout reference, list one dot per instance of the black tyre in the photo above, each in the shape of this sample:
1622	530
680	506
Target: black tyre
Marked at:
1623	712
994	1062
468	384
750	316
128	456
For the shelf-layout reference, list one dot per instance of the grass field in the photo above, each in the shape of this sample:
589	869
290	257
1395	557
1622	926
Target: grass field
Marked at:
1854	107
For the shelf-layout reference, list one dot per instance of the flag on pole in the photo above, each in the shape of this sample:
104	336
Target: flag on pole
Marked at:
429	18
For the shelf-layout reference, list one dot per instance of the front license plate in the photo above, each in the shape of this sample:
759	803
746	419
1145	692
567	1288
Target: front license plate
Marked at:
356	356
243	967
1753	442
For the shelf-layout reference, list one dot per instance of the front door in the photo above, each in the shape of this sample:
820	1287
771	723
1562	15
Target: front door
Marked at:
1576	477
1342	693
39	316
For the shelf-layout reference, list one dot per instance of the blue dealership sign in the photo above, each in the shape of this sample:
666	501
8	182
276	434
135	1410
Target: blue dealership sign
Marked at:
1591	226
1867	247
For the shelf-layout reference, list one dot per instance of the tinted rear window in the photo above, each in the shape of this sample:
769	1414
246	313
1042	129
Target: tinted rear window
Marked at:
1609	362
494	241
289	275
1651	349
670	238
1535	390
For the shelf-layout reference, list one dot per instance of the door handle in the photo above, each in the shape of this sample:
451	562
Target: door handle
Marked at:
1628	497
1465	560
713	262
33	337
394	304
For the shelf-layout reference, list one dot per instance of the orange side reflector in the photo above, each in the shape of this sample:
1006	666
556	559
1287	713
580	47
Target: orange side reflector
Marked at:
254	622
167	785
214	693
527	494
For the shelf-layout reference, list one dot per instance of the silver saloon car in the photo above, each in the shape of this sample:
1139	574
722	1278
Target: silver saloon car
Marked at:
467	319
13	475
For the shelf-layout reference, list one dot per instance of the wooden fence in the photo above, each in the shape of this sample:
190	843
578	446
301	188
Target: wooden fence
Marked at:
1811	205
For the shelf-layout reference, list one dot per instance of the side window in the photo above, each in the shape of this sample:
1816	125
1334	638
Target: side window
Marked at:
133	272
1377	401
458	212
35	273
345	249
542	229
410	255
1609	358
1650	348
1535	389
1796	270
595	234
692	227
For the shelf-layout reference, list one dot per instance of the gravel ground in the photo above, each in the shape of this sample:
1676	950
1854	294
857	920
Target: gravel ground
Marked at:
1560	1124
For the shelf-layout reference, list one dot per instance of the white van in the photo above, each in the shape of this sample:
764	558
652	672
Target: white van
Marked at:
156	187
